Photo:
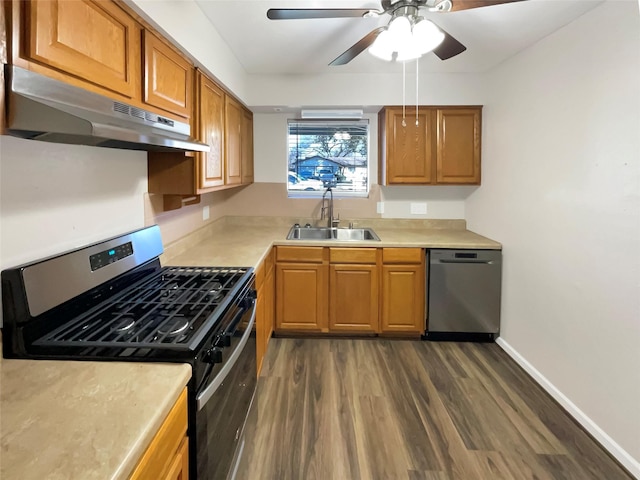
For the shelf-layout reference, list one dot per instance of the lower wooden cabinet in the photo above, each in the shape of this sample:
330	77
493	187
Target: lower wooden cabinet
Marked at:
265	309
403	291
167	457
301	297
350	290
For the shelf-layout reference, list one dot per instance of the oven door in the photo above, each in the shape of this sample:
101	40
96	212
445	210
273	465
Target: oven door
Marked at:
222	406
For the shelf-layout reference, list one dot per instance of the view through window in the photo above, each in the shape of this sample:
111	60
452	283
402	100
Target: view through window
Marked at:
328	154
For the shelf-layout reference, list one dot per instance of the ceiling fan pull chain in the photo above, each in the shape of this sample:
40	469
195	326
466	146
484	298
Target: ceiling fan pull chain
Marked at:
417	122
404	124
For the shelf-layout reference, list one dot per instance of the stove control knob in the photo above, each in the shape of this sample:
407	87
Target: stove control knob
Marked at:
213	356
224	340
249	299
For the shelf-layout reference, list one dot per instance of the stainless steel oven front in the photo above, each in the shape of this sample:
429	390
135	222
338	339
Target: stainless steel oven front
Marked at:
222	403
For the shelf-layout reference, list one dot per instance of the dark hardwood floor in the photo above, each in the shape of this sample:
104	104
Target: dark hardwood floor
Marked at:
394	409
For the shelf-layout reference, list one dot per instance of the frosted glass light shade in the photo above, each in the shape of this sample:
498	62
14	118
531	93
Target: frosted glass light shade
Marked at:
426	36
401	42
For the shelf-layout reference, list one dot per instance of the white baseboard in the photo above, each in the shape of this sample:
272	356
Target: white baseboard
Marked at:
631	464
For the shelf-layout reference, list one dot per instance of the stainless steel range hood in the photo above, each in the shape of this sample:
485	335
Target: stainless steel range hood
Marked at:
41	108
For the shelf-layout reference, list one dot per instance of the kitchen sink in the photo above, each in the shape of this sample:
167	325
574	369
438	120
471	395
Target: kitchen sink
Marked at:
332	234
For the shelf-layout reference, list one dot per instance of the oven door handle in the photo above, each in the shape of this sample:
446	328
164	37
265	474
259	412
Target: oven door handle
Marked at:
204	396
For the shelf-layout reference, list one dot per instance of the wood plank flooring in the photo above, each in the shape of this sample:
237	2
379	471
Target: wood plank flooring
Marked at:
374	409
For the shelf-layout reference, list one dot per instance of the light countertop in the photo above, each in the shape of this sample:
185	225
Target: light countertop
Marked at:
244	241
82	420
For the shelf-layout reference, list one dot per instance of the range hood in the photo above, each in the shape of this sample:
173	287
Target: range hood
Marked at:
41	108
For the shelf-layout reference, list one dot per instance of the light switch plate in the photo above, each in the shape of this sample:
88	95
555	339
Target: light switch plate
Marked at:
418	208
205	212
380	207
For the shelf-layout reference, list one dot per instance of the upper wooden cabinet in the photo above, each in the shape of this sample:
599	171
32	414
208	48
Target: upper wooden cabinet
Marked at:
247	147
94	41
233	141
407	148
210	130
227	127
168	77
443	149
458	149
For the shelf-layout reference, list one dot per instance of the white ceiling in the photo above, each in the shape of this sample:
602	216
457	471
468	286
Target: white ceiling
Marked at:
491	34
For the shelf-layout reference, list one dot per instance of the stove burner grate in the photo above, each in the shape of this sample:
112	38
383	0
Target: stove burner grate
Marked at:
164	309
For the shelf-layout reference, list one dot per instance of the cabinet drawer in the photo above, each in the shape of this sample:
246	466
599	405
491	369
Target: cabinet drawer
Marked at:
300	254
402	255
352	255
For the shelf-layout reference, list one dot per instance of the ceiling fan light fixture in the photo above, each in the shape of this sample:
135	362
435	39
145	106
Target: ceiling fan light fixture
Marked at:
426	36
403	41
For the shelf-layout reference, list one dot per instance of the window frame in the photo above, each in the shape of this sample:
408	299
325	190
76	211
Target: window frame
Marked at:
337	193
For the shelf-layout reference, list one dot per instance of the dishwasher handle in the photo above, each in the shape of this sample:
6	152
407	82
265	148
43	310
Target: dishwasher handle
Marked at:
478	257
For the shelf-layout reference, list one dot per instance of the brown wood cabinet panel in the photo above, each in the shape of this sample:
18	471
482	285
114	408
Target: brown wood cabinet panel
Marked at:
179	468
211	118
352	255
403	299
247	147
301	297
458	152
166	445
233	141
300	254
407	153
168	77
353	294
402	255
95	41
261	325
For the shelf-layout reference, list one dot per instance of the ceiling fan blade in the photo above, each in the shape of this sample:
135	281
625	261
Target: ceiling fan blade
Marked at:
450	47
357	48
305	13
467	4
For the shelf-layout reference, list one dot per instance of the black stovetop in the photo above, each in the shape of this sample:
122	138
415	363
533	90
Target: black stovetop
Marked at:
168	309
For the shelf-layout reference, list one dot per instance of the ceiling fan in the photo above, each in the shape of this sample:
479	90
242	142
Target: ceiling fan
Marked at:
409	9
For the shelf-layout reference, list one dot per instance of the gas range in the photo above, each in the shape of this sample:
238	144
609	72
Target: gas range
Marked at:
113	301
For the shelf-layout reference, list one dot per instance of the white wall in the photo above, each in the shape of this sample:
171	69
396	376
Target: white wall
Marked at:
561	190
57	197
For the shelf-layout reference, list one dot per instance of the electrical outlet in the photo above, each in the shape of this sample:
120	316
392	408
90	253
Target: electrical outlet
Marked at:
205	212
418	208
380	207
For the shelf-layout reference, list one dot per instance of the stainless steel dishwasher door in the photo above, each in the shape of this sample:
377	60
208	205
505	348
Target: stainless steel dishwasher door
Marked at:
464	291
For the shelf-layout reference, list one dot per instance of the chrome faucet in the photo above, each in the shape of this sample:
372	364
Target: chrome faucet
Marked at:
326	211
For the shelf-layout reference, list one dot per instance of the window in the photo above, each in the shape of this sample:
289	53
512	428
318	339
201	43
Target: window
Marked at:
328	154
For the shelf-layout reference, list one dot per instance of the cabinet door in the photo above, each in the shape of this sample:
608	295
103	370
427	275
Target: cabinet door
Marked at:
301	296
353	298
179	468
233	128
247	147
211	131
458	152
92	40
261	326
403	299
168	77
408	157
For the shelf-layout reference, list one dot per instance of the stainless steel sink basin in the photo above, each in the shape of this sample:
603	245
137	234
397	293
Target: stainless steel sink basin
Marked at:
335	234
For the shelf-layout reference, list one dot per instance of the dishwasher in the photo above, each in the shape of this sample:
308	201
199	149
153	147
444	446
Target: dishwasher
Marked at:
464	294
